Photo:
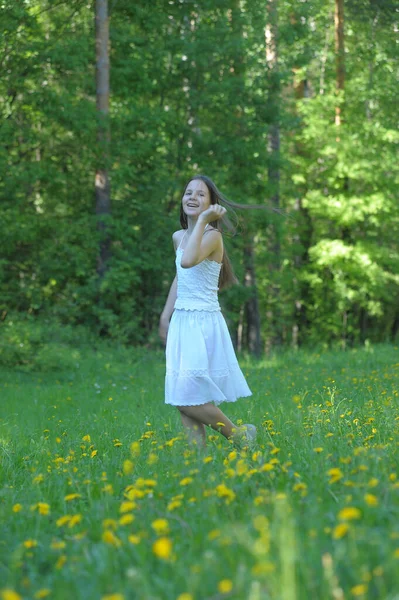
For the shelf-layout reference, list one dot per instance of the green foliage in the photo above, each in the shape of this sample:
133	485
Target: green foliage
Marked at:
191	91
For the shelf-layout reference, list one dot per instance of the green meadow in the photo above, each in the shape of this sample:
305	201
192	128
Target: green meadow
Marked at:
102	497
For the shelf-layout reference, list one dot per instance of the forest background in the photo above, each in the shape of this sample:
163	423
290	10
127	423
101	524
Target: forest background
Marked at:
291	104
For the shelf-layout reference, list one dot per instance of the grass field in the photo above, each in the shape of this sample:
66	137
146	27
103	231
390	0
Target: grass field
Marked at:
102	498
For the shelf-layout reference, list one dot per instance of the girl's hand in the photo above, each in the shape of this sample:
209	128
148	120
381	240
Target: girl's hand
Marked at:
213	213
163	329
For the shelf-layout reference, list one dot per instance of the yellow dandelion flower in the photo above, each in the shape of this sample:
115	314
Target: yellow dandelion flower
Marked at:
93	453
152	459
43	593
86	438
349	513
340	531
160	526
30	543
396	553
57	545
206	460
174	504
70	497
214	534
110	524
10	595
134	539
38	479
241	467
225	586
61	562
224	492
261	523
126	519
113	597
318	450
185	596
162	548
17	508
63	520
110	538
186	481
128	467
127	506
266	467
135	448
359	590
335	474
74	520
371	500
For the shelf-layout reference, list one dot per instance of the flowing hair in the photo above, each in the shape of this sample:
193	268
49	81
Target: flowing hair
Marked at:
227	276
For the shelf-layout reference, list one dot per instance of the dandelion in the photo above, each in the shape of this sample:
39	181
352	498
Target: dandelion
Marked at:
86	438
371	500
162	548
135	448
396	553
359	590
70	497
60	562
134	539
318	450
41	507
127	506
349	513
186	481
74	520
30	543
126	519
223	491
57	545
335	474
185	596
340	531
110	538
17	508
93	453
128	467
160	526
206	460
225	586
10	595
43	593
113	597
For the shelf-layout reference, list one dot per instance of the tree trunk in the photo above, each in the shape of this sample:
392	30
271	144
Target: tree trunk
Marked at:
274	336
339	54
102	186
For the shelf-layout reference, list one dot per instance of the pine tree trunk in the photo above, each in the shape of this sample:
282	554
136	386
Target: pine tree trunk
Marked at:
339	54
274	336
102	186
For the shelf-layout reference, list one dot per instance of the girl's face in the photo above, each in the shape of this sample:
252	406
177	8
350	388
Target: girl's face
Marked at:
196	198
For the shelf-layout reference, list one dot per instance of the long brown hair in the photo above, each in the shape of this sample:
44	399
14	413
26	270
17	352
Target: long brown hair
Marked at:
227	276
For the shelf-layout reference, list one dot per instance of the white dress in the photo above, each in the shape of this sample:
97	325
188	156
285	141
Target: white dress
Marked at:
201	365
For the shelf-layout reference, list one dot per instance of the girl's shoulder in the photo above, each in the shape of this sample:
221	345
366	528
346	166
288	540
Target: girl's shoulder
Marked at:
177	237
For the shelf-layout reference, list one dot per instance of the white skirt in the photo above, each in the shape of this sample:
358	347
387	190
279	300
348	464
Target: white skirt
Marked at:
201	365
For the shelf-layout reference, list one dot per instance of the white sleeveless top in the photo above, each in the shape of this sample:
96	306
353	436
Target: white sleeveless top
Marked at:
197	287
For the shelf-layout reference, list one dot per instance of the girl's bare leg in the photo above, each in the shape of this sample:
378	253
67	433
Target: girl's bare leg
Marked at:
209	414
195	429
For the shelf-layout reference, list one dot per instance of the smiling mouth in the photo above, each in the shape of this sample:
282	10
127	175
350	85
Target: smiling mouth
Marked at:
192	205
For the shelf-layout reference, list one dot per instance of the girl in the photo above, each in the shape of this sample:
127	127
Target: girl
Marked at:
201	367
